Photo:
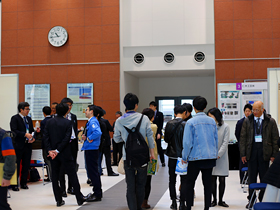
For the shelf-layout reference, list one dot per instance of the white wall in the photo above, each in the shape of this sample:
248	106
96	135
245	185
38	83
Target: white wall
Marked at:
149	88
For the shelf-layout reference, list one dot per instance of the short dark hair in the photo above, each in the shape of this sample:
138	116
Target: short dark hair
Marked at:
93	108
153	103
98	112
188	107
199	103
67	100
119	112
249	106
179	109
54	103
149	113
47	110
62	109
217	114
22	105
130	100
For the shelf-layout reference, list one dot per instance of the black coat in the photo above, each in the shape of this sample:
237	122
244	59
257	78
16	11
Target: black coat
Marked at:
238	128
17	125
159	122
272	176
106	127
57	135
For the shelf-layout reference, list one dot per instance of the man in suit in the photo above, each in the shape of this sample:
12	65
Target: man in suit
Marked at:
74	144
105	148
238	127
158	120
47	114
53	107
258	144
22	125
57	137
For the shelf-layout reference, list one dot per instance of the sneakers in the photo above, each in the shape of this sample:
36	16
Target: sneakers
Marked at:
173	204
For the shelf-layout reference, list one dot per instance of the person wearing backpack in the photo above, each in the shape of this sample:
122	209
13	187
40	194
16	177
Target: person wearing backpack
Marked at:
8	157
132	128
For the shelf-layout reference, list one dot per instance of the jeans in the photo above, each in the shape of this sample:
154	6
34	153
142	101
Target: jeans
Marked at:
135	178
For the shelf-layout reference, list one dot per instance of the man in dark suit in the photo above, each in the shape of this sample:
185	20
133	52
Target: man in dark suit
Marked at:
247	112
105	147
74	144
57	137
22	125
158	120
258	144
47	114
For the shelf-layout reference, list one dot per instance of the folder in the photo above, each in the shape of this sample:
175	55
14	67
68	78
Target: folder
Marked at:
14	177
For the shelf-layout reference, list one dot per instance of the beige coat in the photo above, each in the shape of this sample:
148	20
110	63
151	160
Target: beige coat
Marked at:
154	129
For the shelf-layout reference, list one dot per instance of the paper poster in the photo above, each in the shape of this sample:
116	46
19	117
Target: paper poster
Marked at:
38	96
230	104
82	96
251	97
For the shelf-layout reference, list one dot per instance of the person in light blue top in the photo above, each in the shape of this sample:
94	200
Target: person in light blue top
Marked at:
200	149
91	139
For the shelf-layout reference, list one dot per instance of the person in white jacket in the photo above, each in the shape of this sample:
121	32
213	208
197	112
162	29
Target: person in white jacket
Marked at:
221	169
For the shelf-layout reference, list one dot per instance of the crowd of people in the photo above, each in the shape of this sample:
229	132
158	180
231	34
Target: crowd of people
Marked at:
201	141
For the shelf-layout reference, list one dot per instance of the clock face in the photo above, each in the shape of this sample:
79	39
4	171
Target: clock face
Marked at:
57	36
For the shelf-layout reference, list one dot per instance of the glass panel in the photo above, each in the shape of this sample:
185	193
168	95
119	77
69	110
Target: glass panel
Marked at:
167	108
190	101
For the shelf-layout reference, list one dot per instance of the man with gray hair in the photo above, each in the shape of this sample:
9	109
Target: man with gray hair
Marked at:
258	144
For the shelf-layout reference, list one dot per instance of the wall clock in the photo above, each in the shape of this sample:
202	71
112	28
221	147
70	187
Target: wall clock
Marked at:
57	36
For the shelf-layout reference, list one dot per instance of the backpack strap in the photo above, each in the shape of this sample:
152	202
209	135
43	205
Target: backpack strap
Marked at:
134	128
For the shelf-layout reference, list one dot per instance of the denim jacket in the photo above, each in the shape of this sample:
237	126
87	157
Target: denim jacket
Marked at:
200	140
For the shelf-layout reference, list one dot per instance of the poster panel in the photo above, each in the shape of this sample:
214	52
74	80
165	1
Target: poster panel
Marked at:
38	96
230	104
250	97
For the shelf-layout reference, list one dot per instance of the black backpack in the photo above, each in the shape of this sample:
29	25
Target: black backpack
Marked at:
137	150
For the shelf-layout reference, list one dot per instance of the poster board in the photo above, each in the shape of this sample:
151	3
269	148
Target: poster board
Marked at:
9	92
82	96
38	96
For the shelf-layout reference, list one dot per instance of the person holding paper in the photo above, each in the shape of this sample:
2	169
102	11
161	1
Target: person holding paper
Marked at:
221	169
8	159
174	131
200	149
21	124
258	144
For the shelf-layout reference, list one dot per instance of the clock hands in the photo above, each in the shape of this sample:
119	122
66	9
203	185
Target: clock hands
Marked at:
57	35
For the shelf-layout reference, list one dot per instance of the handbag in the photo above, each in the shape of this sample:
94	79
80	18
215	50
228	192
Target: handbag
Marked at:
121	167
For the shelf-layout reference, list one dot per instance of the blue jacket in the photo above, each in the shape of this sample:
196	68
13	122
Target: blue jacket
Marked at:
200	140
93	133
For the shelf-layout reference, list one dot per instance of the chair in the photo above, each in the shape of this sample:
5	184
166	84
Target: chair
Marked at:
37	154
245	178
257	187
267	206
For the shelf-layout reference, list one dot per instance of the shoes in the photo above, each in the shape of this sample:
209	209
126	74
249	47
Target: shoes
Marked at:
163	165
15	188
113	174
60	203
93	198
91	184
64	194
101	174
173	204
114	164
47	180
214	203
223	204
88	181
182	205
71	191
145	204
84	199
24	186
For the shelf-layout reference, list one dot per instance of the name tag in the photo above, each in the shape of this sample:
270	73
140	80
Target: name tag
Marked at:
258	138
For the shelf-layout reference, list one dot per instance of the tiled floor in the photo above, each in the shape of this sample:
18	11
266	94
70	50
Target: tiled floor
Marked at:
41	197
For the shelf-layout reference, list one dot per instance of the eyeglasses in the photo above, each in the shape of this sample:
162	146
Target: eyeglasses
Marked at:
27	109
256	110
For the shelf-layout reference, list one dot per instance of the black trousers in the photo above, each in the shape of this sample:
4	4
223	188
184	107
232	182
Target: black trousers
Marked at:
23	157
3	199
192	174
117	149
148	187
160	151
257	166
172	181
106	150
91	158
70	168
